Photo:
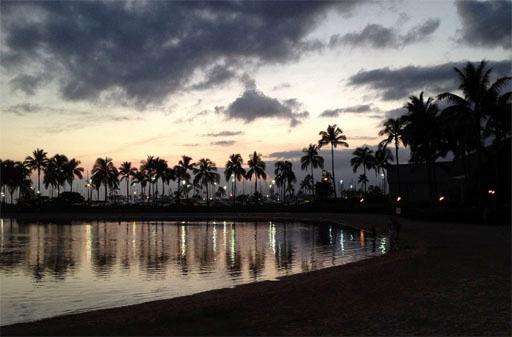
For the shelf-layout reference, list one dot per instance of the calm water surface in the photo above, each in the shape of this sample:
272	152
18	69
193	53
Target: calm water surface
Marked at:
54	269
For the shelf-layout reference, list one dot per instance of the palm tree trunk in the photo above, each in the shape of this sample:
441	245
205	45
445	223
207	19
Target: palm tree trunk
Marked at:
397	167
127	189
255	184
106	192
313	181
39	181
364	173
234	192
207	196
71	186
333	177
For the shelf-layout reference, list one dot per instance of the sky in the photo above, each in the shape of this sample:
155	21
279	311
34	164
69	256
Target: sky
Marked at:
207	79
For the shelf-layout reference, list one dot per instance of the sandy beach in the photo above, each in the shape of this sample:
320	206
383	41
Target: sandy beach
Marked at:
446	279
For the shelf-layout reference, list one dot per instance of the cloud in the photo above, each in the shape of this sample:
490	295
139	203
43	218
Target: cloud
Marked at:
485	23
28	84
143	52
395	113
254	104
223	134
363	108
399	83
378	36
284	85
223	143
215	77
23	109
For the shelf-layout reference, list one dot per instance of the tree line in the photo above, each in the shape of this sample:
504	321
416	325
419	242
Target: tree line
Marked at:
462	127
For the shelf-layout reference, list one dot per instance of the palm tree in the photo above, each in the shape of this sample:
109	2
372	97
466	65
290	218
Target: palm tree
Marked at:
285	176
234	169
15	176
363	156
104	172
334	136
307	183
394	130
313	159
475	106
256	169
50	175
38	162
206	173
383	157
424	134
148	166
140	177
363	179
126	171
160	167
71	169
60	161
181	170
168	176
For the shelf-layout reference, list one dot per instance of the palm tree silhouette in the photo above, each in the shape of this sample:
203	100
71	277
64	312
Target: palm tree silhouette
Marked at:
168	176
126	171
256	168
313	159
285	176
363	156
104	172
184	165
148	167
394	130
71	169
160	167
424	134
60	162
475	107
363	179
334	136
38	162
15	176
234	169
307	183
205	173
50	175
140	177
383	157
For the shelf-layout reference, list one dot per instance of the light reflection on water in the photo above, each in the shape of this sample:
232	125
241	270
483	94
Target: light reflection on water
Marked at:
54	269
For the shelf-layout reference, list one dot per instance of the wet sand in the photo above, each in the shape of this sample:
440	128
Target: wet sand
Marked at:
447	279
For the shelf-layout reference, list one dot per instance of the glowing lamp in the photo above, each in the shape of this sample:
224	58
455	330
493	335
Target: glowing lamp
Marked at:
441	198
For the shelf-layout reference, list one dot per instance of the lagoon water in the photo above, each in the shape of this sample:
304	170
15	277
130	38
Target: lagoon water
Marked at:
54	269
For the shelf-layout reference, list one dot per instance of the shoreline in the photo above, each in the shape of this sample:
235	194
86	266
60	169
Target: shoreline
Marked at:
362	297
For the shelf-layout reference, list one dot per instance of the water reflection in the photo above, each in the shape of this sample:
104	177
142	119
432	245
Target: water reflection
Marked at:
52	269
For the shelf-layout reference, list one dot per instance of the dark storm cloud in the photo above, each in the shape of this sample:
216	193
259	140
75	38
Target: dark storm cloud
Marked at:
485	23
394	84
223	134
141	52
395	113
223	143
216	76
363	108
378	36
254	104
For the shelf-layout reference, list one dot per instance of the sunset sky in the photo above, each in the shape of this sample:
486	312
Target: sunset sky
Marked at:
130	79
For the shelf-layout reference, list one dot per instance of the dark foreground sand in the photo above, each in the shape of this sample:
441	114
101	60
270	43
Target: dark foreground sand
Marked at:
447	279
